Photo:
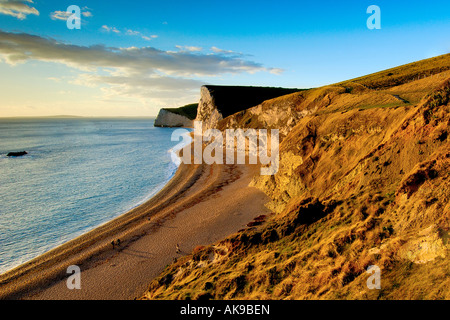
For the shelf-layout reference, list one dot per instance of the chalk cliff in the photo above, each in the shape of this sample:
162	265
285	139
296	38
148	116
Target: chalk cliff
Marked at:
167	118
219	102
177	117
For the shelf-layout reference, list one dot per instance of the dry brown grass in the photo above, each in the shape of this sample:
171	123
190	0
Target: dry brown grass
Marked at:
356	187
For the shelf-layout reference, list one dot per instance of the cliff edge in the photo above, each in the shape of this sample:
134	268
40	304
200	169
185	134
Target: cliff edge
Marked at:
219	102
177	117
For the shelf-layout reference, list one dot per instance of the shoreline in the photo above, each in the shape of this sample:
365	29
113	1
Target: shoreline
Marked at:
190	186
139	203
52	258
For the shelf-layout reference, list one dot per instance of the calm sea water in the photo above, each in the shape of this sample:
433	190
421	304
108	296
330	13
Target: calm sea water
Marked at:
79	174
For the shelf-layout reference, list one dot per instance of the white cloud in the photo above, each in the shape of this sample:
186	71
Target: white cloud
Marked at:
17	8
138	33
217	50
189	48
60	15
276	71
131	72
110	29
20	47
86	12
148	38
129	32
132	32
64	15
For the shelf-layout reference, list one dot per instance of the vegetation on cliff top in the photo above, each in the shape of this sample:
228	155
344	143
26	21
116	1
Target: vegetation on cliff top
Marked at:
231	99
189	111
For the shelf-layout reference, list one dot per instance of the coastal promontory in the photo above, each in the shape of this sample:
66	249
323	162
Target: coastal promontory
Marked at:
177	117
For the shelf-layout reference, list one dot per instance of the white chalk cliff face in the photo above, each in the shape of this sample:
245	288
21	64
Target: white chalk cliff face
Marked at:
166	118
207	111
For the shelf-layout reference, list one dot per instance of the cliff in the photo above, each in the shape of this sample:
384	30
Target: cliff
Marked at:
219	102
364	180
177	117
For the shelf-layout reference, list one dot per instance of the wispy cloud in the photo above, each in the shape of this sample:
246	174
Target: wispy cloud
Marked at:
132	32
276	71
132	71
20	47
60	15
217	50
109	29
140	34
189	48
148	38
17	8
63	15
128	32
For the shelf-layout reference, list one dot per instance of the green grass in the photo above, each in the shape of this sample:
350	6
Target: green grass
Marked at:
189	111
402	74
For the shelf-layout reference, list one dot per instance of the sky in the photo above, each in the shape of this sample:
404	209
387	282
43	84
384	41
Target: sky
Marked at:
131	58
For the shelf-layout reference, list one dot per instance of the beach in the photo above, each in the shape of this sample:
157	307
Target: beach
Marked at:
200	205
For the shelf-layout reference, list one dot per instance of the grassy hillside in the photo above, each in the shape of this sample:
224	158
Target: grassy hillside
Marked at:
364	180
189	111
407	89
402	74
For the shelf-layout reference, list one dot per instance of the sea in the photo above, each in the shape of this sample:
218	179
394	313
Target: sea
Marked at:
79	173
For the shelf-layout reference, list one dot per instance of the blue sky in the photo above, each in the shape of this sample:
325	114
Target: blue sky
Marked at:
131	58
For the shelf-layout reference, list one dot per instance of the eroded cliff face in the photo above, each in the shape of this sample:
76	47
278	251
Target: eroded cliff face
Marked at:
281	113
166	118
219	102
207	111
327	149
389	164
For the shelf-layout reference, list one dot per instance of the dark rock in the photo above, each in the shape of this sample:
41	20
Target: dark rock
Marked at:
17	154
166	280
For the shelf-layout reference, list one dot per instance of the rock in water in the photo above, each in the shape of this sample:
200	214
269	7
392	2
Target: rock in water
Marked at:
17	154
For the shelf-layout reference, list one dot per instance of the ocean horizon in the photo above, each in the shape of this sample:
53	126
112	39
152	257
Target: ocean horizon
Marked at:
79	173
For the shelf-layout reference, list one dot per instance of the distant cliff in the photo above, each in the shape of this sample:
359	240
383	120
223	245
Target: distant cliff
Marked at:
177	117
219	102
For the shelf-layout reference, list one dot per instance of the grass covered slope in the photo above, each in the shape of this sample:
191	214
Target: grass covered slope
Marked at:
372	91
364	180
403	74
189	111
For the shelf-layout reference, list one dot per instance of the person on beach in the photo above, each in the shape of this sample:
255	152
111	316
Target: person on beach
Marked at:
178	248
112	242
